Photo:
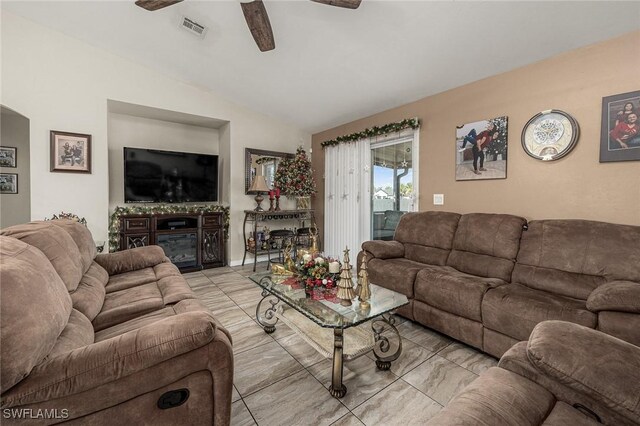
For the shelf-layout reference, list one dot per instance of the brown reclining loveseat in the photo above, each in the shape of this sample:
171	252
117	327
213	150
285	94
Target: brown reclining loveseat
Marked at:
104	338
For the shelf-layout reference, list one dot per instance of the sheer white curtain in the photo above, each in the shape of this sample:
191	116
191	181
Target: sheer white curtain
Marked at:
348	197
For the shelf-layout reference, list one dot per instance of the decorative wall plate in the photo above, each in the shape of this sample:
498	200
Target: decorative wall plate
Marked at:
550	135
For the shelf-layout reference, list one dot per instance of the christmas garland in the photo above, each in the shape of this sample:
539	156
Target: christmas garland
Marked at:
114	224
263	160
68	216
412	123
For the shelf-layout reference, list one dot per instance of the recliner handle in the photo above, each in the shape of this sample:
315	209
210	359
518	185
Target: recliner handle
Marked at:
584	410
173	398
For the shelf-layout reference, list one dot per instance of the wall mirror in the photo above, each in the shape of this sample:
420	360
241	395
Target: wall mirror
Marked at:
261	162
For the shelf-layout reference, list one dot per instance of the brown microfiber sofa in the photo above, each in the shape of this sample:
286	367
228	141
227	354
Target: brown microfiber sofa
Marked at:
488	279
566	374
99	338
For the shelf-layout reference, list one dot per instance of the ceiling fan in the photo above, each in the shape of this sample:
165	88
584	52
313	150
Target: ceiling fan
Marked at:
256	16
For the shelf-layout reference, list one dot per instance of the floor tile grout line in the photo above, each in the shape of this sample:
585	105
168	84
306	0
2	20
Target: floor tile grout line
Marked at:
422	392
374	394
247	407
277	381
458	365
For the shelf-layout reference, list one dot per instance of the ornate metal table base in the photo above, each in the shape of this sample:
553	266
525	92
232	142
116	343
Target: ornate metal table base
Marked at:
269	319
382	345
380	349
337	389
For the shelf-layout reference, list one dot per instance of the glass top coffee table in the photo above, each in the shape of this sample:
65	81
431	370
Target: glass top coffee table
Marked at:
336	331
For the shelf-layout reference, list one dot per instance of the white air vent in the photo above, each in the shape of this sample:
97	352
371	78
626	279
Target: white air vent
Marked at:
193	27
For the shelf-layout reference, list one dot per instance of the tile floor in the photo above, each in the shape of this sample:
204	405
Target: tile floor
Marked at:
281	380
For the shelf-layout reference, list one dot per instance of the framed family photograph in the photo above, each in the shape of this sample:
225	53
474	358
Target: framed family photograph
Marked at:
70	152
481	150
8	156
620	129
8	183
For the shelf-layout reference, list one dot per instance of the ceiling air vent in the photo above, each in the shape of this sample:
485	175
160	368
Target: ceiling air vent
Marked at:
193	27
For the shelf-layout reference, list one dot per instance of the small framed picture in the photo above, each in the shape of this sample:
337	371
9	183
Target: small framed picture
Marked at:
8	183
70	152
620	129
8	156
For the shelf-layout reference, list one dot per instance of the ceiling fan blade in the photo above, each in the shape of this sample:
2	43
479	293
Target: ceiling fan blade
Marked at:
259	25
349	4
152	5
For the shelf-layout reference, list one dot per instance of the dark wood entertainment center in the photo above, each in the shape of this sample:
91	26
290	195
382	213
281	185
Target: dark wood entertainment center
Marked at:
193	241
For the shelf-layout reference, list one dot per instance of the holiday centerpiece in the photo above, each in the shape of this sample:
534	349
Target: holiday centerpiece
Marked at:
294	178
321	272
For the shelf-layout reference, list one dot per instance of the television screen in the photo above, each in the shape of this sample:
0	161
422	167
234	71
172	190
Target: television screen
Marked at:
154	176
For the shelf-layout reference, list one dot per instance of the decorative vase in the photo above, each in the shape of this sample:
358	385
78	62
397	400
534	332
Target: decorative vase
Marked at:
303	203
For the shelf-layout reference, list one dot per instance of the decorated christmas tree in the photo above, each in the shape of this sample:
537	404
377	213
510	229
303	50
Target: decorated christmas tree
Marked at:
499	145
345	284
294	176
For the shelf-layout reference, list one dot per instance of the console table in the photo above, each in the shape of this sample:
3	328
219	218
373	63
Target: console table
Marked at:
193	241
252	218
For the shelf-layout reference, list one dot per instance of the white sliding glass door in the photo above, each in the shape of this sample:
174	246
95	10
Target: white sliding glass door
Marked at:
394	182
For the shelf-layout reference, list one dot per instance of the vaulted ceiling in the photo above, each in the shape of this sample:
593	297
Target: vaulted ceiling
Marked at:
333	65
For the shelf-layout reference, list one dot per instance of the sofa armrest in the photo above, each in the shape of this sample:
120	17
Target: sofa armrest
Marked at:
107	361
591	362
621	296
131	259
384	249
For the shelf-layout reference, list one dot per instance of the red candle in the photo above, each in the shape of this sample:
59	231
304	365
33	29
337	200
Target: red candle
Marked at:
278	192
271	194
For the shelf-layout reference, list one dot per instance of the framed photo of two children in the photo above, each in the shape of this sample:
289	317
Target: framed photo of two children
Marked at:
620	129
70	152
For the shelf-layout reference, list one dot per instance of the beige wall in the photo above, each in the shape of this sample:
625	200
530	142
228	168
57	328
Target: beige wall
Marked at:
577	186
138	132
14	132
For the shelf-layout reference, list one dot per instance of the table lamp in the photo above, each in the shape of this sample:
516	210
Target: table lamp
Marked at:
259	186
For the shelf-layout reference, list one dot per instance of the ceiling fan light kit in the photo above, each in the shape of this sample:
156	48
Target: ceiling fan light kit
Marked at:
256	16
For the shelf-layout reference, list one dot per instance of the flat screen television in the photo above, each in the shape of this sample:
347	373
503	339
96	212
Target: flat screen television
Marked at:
154	176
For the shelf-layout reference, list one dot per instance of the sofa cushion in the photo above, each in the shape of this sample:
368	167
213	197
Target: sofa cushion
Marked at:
89	296
130	279
497	397
515	310
77	333
487	244
606	368
573	257
458	327
34	309
83	239
184	306
433	231
622	296
395	274
123	305
56	244
383	249
563	414
455	292
622	325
